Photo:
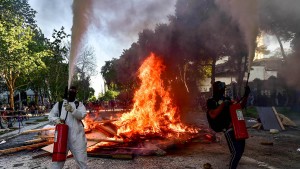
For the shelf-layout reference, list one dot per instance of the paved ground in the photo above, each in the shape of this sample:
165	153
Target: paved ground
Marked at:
282	154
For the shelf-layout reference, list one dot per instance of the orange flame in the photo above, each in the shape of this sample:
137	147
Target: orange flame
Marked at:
153	111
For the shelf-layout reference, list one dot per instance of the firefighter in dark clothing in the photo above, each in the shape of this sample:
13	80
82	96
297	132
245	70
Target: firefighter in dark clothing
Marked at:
218	111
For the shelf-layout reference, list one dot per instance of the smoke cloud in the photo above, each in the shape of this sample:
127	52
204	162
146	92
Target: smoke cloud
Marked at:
81	21
245	13
115	19
123	20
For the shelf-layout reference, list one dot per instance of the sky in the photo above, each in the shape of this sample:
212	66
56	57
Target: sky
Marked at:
112	25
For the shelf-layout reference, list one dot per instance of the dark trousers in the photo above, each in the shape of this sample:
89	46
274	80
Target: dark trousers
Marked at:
236	148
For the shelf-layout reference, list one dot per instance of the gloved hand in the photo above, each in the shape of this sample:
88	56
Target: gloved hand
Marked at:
58	121
68	108
247	91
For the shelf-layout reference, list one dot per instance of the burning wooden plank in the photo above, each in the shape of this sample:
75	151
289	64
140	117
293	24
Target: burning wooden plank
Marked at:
127	148
106	130
106	140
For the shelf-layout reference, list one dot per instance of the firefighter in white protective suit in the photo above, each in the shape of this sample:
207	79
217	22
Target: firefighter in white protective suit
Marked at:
72	114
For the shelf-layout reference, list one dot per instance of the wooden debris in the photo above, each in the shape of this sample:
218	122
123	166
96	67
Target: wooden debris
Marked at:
107	121
42	155
106	130
46	137
37	130
27	147
89	139
49	148
286	121
105	140
129	150
257	126
279	121
38	140
112	156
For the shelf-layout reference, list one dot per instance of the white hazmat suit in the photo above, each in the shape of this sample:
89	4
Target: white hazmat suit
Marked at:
77	142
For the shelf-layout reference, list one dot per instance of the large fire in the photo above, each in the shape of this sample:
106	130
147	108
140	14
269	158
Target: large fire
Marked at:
153	112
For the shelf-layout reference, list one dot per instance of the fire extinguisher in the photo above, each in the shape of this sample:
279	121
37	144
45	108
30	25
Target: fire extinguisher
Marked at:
237	118
60	143
238	122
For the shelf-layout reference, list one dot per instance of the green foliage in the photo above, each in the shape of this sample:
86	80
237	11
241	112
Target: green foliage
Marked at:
19	53
109	73
109	95
251	112
92	99
57	66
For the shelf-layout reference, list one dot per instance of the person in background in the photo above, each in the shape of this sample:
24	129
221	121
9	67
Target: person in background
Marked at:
218	110
10	116
72	114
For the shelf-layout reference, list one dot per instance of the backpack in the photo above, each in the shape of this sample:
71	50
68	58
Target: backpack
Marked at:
222	121
214	124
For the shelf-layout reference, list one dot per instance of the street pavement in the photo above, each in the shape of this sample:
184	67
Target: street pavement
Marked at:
18	127
192	157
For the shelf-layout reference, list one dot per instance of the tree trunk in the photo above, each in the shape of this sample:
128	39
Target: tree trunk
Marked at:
183	76
241	72
281	47
213	70
36	97
11	97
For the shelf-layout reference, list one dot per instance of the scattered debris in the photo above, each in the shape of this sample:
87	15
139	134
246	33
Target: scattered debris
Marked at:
2	142
207	166
270	119
16	149
274	131
286	121
257	126
44	154
37	130
112	156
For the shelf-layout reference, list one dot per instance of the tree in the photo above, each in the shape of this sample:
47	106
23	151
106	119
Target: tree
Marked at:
57	66
16	39
86	68
108	73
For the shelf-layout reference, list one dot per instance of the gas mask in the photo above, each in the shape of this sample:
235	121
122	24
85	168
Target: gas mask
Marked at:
70	94
218	89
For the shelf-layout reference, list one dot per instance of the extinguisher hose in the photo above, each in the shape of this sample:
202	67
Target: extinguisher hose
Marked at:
245	86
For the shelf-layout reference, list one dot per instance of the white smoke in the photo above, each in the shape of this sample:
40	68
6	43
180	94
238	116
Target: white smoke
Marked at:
81	19
245	13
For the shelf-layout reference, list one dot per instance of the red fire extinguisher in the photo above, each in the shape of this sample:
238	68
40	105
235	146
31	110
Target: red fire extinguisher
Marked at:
60	143
238	122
